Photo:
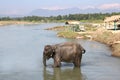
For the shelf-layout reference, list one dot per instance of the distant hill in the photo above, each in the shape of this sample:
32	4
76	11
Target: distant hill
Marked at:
46	12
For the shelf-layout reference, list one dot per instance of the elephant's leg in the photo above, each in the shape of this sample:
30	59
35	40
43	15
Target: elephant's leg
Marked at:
77	61
57	62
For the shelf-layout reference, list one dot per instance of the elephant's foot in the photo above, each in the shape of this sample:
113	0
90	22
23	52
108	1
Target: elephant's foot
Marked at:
57	65
76	64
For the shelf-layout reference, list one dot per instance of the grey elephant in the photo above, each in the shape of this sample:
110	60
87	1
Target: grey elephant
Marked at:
64	52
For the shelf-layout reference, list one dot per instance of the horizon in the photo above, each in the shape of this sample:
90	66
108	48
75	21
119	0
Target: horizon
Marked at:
22	7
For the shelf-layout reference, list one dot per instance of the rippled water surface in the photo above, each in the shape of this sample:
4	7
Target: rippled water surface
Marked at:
21	48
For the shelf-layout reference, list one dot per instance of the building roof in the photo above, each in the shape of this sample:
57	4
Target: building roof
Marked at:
72	22
112	18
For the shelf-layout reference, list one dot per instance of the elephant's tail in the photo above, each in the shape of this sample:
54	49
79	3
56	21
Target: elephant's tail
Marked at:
83	51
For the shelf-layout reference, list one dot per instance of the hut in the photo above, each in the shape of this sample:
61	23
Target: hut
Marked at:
113	21
72	22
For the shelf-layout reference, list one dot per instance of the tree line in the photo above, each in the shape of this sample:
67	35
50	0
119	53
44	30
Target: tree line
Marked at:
94	16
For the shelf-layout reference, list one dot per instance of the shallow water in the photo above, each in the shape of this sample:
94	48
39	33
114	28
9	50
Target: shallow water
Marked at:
21	48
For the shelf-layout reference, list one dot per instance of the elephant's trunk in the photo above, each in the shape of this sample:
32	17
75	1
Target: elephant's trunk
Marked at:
44	59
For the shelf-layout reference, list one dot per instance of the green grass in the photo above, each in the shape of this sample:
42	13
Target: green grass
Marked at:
67	34
90	27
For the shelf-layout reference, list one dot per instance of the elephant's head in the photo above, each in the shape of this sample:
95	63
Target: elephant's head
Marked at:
48	53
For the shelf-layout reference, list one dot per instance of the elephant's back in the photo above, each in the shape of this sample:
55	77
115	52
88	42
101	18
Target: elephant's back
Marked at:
67	54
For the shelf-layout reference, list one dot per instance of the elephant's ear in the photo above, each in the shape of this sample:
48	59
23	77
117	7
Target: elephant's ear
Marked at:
53	48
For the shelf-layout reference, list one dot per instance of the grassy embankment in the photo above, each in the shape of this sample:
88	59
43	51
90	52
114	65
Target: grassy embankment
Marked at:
102	35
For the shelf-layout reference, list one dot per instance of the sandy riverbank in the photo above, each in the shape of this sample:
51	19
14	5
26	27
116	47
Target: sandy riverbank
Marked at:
2	23
109	37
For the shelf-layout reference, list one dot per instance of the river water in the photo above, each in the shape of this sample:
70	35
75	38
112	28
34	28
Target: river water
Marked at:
21	49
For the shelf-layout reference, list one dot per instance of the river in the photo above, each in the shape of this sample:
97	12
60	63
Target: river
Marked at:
21	51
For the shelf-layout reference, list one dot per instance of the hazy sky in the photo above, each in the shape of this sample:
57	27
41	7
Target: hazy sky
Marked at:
25	6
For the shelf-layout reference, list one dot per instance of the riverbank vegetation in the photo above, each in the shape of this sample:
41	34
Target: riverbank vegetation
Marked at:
93	17
67	34
87	18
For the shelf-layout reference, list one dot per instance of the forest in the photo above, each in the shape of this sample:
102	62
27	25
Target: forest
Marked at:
79	17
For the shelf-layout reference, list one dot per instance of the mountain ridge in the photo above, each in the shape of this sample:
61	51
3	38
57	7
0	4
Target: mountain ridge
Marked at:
48	13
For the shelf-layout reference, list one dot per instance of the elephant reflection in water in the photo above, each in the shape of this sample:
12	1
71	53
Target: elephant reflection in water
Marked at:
63	74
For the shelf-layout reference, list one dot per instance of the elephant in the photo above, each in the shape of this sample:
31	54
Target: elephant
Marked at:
64	52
